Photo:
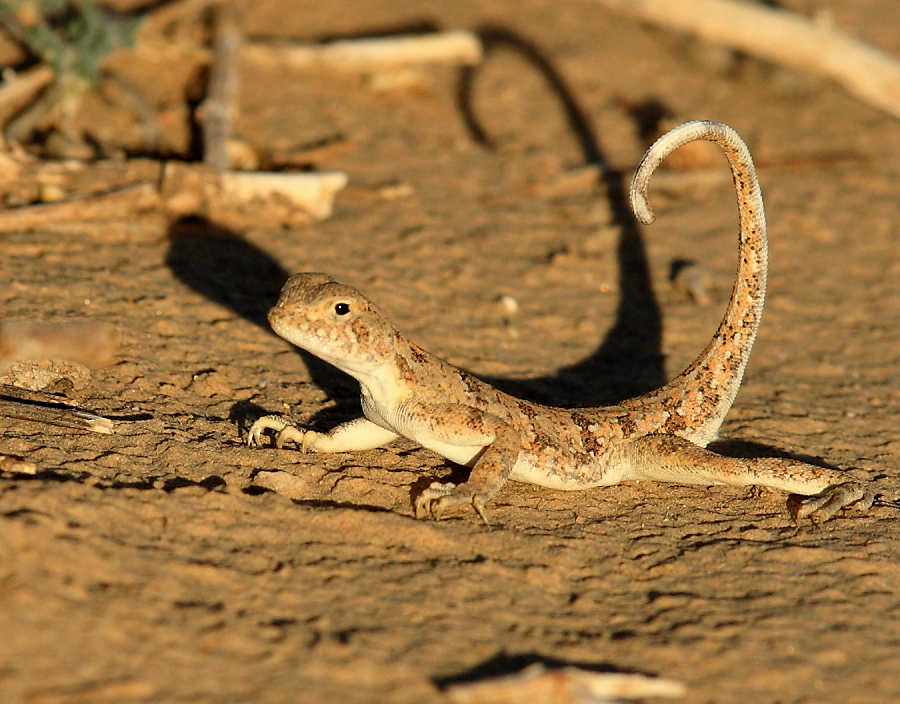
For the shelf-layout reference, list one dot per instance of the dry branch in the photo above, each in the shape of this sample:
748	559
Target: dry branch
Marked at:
120	203
314	192
455	47
783	37
220	106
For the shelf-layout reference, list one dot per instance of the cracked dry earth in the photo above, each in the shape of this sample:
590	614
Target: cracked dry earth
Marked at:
169	562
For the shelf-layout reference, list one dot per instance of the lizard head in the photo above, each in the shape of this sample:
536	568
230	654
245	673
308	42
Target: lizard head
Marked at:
333	321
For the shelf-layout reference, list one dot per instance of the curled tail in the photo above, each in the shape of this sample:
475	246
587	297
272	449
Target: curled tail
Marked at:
702	394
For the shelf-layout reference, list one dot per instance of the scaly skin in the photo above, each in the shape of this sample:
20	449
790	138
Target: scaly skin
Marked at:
406	391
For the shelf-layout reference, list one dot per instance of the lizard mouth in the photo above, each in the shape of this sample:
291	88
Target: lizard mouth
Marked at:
302	333
285	327
276	320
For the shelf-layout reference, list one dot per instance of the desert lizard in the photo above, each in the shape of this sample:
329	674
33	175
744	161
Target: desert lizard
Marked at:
661	435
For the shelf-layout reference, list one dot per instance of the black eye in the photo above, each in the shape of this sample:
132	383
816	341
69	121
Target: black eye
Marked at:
342	308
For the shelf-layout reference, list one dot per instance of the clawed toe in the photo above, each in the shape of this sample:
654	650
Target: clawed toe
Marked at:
427	503
438	497
827	503
261	425
283	433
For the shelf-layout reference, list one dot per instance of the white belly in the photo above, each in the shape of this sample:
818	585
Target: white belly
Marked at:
565	478
460	454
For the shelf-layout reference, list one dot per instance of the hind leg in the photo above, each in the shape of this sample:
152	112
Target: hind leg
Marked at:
825	492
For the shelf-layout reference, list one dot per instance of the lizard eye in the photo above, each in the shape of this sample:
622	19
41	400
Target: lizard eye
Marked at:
342	308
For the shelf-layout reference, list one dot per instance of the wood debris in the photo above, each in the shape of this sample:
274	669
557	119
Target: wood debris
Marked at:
569	685
232	198
16	465
459	47
242	198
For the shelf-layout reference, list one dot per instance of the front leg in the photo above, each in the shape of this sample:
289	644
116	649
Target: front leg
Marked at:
357	434
448	426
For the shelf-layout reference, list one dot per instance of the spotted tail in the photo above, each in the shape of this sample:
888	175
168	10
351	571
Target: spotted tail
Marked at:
702	394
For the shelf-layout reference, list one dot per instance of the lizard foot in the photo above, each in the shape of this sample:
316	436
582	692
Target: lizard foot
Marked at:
822	506
284	432
432	502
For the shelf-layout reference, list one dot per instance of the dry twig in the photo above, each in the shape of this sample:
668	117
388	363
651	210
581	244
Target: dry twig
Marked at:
52	414
454	47
783	37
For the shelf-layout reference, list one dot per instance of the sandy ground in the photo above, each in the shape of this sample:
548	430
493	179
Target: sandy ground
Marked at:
163	564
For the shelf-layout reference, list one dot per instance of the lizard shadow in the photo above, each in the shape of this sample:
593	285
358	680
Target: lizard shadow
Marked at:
212	482
749	449
628	362
225	268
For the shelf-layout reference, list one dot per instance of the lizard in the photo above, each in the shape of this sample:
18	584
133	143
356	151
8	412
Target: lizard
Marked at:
661	435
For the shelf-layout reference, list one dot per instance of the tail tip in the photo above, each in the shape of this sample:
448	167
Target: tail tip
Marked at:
641	206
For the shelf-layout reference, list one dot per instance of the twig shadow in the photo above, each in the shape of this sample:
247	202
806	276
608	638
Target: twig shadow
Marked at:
212	482
734	447
504	664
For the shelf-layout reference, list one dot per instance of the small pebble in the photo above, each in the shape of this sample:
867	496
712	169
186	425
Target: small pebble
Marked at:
509	304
